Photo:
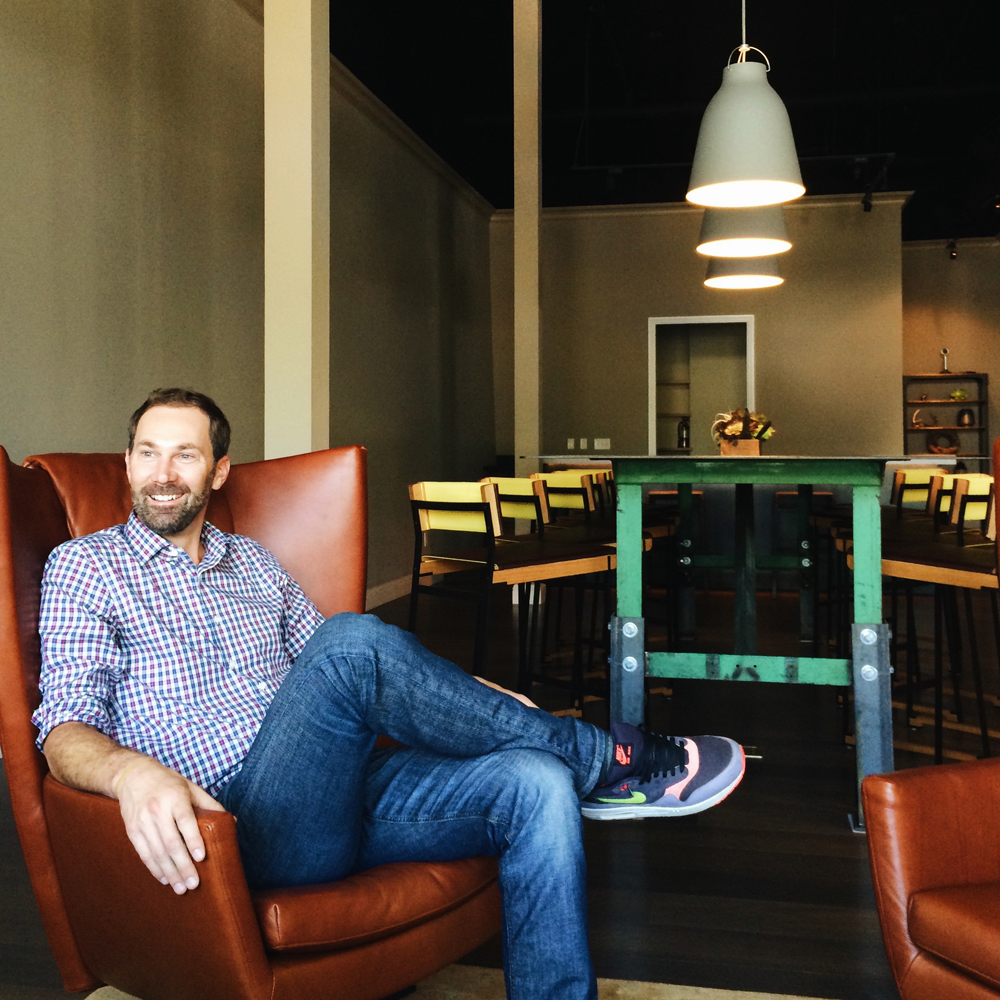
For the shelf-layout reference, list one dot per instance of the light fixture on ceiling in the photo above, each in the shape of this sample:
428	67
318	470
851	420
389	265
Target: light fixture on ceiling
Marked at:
743	232
952	248
745	155
743	272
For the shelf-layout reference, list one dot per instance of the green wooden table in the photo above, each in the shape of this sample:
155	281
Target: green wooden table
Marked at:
868	670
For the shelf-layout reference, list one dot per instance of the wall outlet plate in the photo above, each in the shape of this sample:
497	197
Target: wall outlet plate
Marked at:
602	444
583	444
570	444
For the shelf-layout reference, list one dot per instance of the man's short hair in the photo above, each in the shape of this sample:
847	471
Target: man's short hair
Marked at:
218	429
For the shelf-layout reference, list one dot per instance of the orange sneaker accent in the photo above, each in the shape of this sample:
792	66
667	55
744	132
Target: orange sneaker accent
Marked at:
692	769
623	754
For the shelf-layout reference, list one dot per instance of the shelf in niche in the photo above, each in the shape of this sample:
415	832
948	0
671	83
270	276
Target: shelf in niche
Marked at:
675	383
944	402
947	427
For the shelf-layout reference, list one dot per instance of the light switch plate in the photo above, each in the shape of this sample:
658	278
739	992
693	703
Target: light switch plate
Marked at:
583	444
602	444
570	444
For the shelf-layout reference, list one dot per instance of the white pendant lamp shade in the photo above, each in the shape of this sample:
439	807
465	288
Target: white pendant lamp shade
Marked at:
743	272
743	232
745	155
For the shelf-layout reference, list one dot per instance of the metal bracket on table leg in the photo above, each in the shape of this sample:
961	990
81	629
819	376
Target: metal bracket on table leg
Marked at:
628	669
872	706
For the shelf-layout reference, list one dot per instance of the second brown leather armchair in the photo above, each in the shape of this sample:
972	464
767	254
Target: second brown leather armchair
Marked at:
934	844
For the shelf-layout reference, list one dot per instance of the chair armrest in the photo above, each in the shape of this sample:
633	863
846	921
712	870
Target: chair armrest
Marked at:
929	827
138	935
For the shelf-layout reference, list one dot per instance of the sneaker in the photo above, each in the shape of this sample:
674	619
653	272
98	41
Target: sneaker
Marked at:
665	775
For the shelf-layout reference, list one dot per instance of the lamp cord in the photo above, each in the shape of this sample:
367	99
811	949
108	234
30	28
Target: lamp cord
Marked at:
744	48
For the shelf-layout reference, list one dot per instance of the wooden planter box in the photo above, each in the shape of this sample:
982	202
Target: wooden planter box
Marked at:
740	448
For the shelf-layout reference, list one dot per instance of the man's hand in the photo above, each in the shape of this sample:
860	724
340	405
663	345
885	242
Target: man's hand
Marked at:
522	698
157	803
157	806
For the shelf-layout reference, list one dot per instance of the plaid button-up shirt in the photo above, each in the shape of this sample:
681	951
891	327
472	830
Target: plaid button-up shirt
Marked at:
174	660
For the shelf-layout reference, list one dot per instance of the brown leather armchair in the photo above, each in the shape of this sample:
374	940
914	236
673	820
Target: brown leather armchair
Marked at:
934	846
107	920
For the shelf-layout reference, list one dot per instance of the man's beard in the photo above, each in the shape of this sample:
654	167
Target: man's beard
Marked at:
176	519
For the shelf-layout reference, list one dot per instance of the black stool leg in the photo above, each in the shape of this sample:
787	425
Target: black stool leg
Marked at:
976	675
577	682
995	609
938	679
523	664
954	636
912	652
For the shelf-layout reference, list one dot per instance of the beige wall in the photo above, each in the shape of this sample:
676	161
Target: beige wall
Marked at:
131	245
828	341
411	350
954	304
131	182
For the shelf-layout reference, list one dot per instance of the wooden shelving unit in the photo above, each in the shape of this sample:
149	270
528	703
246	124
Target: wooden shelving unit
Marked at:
923	392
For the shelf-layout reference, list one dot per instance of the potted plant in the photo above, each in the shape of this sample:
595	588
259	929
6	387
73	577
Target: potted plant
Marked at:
740	432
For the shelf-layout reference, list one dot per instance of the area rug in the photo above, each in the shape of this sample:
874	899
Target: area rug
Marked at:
469	982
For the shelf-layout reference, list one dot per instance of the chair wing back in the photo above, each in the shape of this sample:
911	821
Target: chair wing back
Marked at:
32	523
311	511
94	491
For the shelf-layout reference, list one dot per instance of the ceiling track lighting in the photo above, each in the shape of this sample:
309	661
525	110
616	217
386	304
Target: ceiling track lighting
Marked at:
743	273
745	155
743	232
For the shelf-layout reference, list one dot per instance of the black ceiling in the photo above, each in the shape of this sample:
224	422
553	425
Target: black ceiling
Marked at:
883	94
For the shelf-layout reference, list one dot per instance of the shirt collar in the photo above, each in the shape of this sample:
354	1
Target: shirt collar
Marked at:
148	544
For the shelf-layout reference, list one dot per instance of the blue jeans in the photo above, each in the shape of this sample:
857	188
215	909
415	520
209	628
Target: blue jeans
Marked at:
480	774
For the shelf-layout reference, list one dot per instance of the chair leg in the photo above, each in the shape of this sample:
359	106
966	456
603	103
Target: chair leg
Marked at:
912	652
536	591
411	619
483	624
593	622
995	609
954	637
938	679
976	675
523	664
577	683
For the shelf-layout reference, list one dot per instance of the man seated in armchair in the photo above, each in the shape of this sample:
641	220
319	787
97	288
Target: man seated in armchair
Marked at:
183	667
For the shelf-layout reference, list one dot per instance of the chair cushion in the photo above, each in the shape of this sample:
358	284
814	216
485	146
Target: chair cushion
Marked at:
368	906
960	924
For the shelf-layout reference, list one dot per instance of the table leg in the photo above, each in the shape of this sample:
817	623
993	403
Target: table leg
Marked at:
870	642
807	572
685	574
627	661
746	572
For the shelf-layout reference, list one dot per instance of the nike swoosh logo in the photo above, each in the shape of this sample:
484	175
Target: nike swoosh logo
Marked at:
633	799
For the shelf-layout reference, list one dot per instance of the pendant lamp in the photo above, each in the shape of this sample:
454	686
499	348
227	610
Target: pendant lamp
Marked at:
743	232
743	272
745	154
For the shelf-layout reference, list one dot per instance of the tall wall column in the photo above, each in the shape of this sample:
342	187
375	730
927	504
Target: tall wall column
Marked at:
527	210
296	226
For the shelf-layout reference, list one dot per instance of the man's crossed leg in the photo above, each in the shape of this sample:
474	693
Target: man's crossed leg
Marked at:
479	773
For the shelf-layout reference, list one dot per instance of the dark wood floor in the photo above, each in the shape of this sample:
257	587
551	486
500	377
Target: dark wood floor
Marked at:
769	892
